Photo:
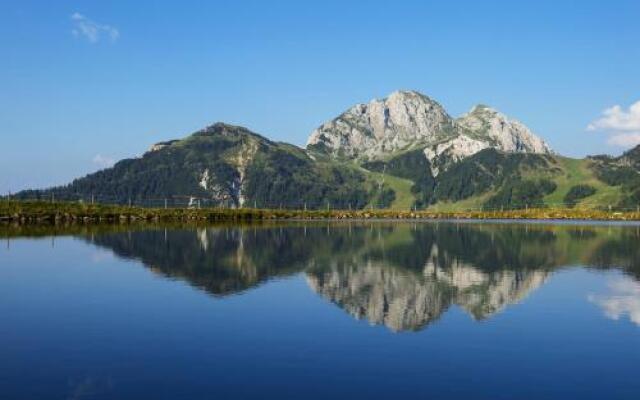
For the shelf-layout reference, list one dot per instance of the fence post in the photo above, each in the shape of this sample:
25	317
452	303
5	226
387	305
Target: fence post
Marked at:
165	204
129	201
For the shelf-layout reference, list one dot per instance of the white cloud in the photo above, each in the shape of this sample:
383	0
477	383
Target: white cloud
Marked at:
617	119
624	300
624	140
91	30
103	161
622	126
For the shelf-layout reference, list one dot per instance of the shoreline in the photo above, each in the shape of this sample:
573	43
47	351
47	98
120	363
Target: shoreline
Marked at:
52	213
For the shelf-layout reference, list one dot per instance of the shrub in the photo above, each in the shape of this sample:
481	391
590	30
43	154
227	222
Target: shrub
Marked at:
578	192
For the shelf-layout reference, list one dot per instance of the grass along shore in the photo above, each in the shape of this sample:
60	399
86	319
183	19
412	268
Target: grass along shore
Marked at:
47	212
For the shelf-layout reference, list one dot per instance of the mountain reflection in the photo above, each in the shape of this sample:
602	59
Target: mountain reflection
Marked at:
401	275
409	301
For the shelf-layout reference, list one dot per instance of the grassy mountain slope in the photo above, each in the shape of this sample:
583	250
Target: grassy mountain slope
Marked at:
622	172
492	179
580	172
403	198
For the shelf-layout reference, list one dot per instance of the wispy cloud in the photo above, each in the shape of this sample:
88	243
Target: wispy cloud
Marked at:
624	300
103	161
622	126
92	30
624	140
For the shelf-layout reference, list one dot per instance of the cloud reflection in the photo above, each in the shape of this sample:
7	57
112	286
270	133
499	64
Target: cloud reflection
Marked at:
623	300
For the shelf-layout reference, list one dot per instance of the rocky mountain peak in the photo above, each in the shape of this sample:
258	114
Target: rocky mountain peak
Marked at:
223	129
481	128
408	96
402	120
407	120
219	129
502	132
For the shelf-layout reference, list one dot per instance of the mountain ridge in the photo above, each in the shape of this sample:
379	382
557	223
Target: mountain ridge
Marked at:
401	151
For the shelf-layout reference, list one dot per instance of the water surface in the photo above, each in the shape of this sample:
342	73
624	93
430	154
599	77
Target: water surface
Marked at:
359	310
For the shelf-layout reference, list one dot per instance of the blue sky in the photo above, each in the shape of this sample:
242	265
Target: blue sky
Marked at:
86	82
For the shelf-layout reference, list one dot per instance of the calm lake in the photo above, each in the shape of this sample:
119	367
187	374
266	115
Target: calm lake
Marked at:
468	310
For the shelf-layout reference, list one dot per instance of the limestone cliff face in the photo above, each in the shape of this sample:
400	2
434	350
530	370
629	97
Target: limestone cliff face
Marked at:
233	185
445	153
161	145
500	131
408	120
403	120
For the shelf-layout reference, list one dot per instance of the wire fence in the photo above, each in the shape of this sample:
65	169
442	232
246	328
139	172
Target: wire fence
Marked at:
179	201
196	202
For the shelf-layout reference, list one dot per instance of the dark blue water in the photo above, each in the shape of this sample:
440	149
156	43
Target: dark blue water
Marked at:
381	310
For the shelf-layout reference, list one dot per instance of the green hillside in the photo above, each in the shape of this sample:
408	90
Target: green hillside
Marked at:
580	172
493	180
403	198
